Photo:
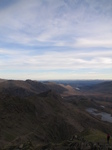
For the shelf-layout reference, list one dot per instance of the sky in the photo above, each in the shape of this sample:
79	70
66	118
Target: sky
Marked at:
56	39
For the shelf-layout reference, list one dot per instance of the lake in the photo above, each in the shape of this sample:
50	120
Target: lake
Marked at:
104	116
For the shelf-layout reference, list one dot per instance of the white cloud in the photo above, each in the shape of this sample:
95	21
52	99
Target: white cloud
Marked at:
57	60
27	21
83	28
94	42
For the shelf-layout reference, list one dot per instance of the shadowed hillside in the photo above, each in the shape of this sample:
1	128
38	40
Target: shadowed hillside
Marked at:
42	116
56	87
1	80
28	87
22	88
104	87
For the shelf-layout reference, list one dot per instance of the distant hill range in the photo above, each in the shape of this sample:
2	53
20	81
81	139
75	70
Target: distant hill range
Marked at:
1	80
28	87
104	88
80	87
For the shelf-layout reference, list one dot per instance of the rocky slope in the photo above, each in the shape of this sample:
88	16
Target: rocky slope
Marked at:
42	119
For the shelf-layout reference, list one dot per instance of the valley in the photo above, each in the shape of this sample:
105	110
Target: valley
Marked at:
48	115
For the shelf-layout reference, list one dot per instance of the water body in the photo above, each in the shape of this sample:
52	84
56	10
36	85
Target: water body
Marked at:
104	116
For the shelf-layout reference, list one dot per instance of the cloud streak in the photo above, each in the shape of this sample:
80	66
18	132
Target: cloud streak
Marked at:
56	60
55	35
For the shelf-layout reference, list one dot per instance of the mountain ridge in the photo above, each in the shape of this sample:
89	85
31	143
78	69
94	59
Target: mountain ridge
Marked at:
44	116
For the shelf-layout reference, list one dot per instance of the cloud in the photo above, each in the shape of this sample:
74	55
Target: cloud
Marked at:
27	22
56	60
55	35
94	42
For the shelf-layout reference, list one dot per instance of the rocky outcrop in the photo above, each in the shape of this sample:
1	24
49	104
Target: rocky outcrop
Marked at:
75	144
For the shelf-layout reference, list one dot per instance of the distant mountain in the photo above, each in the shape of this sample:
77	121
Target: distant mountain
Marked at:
1	80
81	87
56	87
62	89
28	87
104	87
79	83
22	88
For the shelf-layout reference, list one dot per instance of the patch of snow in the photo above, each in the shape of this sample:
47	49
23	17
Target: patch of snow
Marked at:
77	88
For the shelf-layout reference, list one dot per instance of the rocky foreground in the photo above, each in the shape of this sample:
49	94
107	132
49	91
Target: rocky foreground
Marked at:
33	116
74	144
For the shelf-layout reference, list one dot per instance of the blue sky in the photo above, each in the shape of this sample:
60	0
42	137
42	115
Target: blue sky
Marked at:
56	39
